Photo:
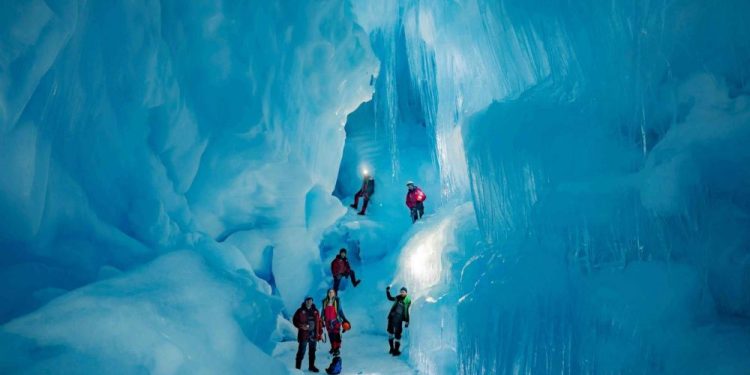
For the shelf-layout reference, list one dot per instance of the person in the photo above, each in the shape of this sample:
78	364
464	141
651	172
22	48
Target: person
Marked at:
309	332
333	316
340	268
399	314
366	191
415	198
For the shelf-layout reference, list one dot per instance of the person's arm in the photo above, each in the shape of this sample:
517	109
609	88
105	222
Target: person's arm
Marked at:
388	294
296	320
407	303
340	311
318	327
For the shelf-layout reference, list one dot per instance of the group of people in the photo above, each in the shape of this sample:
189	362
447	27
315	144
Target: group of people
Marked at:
415	197
310	321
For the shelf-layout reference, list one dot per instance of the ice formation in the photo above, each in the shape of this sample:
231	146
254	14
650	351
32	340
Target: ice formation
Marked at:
174	179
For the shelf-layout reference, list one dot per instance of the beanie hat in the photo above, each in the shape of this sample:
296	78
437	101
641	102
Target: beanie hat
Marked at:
404	289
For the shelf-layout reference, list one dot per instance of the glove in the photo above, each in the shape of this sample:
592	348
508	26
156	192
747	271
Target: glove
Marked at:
407	325
388	287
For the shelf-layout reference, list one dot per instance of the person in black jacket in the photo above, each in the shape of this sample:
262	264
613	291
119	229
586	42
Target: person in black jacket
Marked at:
309	332
398	315
366	191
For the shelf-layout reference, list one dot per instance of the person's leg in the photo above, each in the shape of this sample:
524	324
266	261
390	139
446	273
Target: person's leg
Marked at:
336	336
311	356
397	342
413	214
356	199
331	336
336	343
364	205
300	354
336	283
390	335
420	208
353	278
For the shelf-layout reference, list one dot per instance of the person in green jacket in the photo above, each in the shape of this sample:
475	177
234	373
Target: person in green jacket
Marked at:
398	315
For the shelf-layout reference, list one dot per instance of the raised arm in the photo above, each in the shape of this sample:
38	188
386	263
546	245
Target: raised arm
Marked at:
388	294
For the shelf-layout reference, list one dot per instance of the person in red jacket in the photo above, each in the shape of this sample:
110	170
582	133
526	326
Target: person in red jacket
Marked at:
415	198
340	268
309	332
333	317
366	191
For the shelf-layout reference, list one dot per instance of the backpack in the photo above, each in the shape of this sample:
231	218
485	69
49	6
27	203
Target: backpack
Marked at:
335	367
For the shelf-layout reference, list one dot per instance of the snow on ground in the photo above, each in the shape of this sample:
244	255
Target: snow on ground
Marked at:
363	354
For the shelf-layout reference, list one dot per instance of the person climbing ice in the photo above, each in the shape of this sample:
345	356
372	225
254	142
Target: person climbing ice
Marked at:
333	319
398	315
309	332
340	268
365	192
415	198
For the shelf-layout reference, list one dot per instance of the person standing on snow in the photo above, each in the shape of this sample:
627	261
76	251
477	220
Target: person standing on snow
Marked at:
414	200
399	314
366	191
309	332
340	268
333	317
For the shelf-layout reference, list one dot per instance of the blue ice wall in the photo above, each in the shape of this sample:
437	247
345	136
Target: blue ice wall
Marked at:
603	145
614	191
130	131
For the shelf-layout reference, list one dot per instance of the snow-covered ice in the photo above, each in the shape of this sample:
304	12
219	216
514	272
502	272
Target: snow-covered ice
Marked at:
175	177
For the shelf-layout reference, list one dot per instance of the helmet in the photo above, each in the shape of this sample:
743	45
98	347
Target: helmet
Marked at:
346	326
409	183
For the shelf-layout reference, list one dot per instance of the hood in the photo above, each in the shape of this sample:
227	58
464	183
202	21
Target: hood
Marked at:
312	307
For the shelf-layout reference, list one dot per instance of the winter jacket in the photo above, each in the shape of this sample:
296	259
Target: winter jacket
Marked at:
340	266
400	308
340	317
302	317
414	196
368	186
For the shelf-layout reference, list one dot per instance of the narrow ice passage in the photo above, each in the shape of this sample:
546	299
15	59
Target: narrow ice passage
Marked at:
175	178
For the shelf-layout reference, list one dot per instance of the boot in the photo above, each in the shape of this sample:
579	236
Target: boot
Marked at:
356	282
360	213
396	346
390	343
298	364
354	206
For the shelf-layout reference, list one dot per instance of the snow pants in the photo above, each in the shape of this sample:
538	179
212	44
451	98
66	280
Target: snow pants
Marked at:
334	334
417	211
395	328
303	345
337	279
366	200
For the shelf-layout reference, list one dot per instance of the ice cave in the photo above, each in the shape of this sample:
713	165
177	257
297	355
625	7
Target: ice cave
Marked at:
559	187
